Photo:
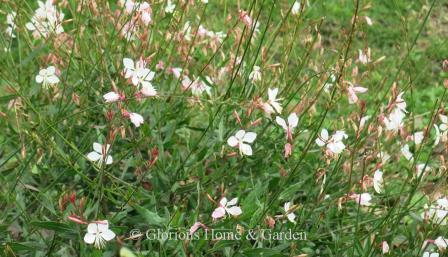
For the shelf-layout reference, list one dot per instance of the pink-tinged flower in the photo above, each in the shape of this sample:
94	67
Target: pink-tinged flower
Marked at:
288	150
272	105
437	212
240	139
289	212
364	57
176	72
352	97
98	233
441	243
293	121
362	199
111	97
226	207
196	226
334	143
385	247
100	153
142	10
400	103
136	119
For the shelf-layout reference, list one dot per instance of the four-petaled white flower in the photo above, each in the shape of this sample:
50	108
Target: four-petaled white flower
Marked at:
226	207
111	97
293	121
272	105
47	77
100	153
289	212
98	233
378	181
138	73
136	119
334	143
240	139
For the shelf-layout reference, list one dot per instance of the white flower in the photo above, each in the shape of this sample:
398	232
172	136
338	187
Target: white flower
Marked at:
46	20
428	254
400	103
352	97
438	135
362	121
295	8
444	126
420	168
293	120
395	120
255	75
100	154
198	87
438	212
137	72
142	10
378	181
441	242
10	17
363	199
98	234
111	97
368	20
418	137
385	247
406	153
47	77
170	7
289	214
364	58
272	105
240	139
204	1
334	144
148	90
383	156
136	118
226	207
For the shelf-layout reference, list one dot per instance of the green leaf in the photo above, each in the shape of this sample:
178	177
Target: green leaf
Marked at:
151	218
54	226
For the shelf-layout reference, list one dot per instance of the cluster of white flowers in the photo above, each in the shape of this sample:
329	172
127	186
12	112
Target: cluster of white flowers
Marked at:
10	17
437	212
198	86
46	20
395	120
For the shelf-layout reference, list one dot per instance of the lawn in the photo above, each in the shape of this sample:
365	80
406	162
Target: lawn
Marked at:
223	128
